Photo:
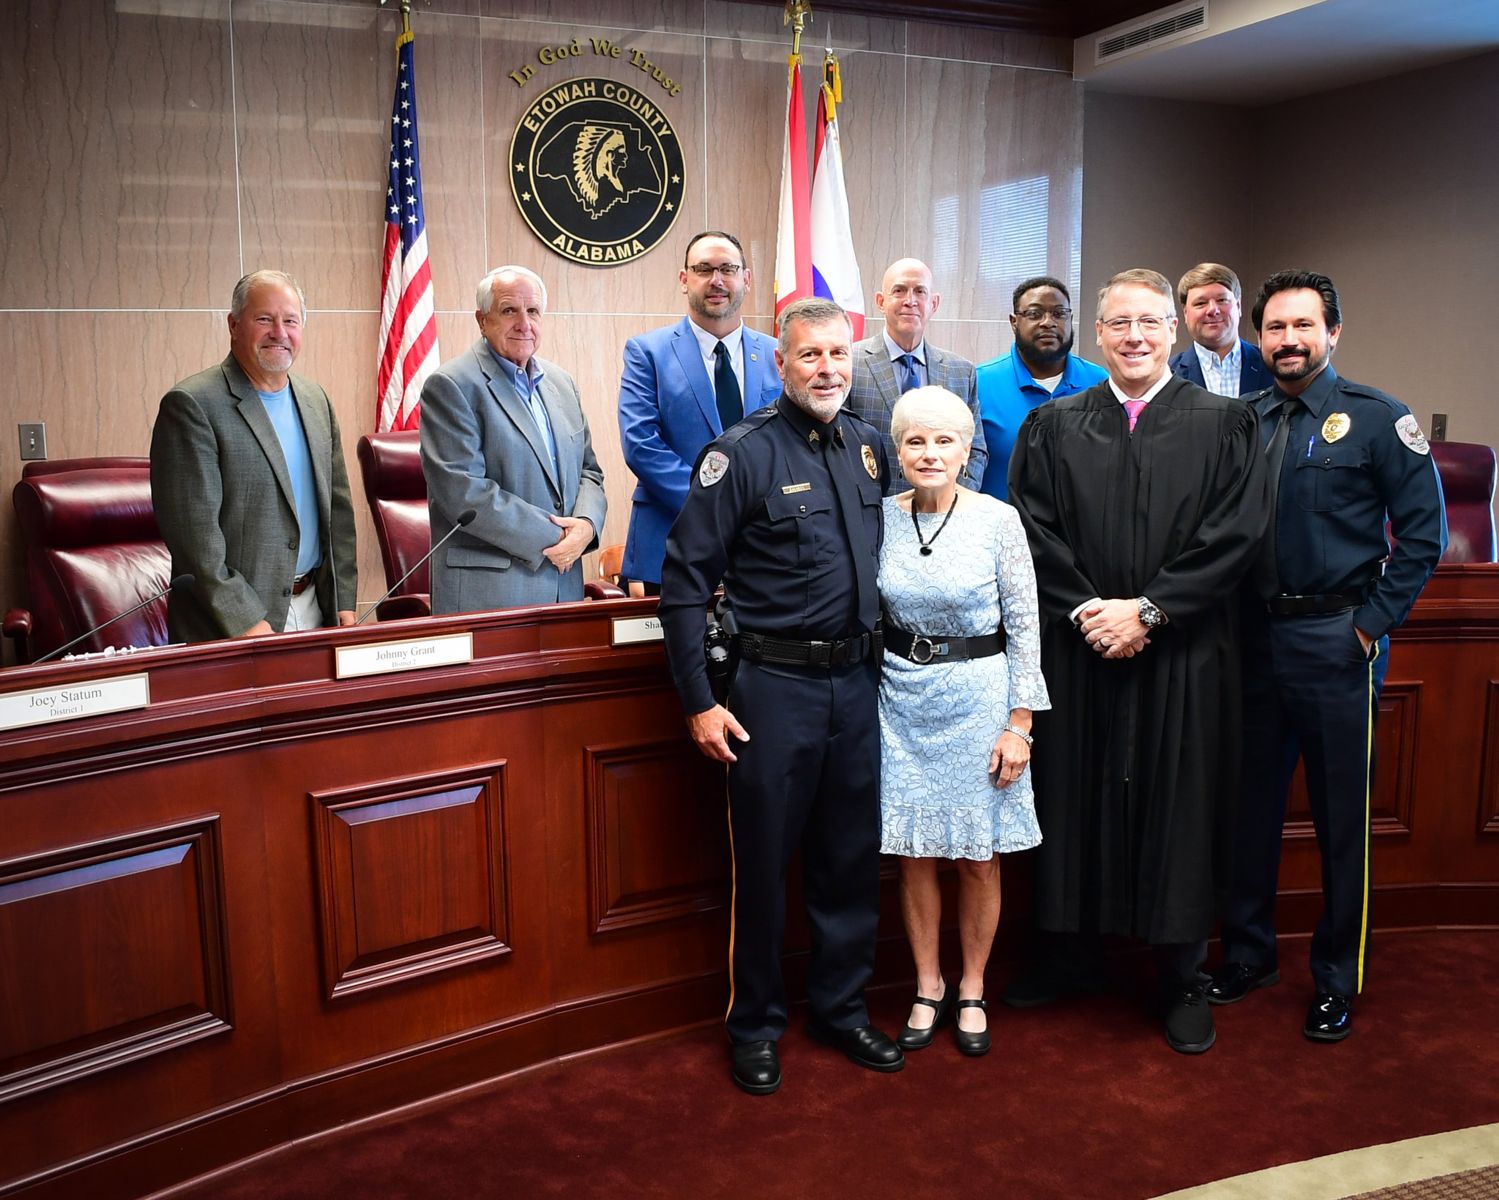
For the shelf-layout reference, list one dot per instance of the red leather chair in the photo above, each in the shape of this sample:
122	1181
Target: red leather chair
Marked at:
92	550
391	466
1469	472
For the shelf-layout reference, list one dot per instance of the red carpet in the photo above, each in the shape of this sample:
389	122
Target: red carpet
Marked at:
1084	1100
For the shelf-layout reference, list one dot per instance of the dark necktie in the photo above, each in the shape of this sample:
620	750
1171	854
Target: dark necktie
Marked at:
726	387
1267	571
908	376
843	460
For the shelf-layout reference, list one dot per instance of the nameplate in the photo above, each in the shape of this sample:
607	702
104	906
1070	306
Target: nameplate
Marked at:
630	630
381	658
42	706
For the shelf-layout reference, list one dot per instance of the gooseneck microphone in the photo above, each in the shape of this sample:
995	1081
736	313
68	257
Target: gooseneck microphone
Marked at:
466	517
181	583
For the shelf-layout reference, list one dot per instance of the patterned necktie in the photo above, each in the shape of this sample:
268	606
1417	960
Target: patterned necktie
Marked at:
1134	408
908	376
726	387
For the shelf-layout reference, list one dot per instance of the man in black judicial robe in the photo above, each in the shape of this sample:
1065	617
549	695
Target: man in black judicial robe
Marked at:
1144	501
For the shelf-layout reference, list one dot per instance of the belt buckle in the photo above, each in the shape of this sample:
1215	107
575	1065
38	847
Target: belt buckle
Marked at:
931	650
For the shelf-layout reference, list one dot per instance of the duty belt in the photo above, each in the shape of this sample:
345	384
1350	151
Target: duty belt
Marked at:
921	649
793	652
1305	606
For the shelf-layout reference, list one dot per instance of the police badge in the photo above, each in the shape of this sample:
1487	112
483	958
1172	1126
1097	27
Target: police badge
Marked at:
869	463
1335	427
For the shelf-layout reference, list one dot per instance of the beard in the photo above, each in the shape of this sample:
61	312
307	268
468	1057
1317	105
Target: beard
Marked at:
822	410
699	304
1034	355
1311	363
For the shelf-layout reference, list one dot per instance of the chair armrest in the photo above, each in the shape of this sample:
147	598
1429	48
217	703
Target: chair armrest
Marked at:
17	627
398	608
602	589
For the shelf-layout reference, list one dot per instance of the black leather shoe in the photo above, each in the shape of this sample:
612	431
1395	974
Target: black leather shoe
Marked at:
865	1045
918	1039
972	1044
1235	980
1330	1018
757	1067
1052	981
1189	1021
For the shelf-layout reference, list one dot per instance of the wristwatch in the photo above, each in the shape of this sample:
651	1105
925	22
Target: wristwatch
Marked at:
1020	733
1150	615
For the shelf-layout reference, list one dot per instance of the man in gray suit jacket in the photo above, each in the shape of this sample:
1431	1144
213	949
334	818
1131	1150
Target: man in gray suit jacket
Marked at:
249	484
503	434
899	358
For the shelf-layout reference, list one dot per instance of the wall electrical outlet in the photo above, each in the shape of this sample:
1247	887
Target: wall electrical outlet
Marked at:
1439	427
33	440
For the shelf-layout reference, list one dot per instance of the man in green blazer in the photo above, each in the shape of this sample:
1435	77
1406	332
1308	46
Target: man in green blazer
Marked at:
249	485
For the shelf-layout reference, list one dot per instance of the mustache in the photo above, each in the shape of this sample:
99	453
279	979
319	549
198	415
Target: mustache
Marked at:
1290	353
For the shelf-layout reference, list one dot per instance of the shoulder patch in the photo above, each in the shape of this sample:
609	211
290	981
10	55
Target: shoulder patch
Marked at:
715	466
1410	433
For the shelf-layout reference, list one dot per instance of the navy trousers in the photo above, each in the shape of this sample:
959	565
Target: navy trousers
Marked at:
809	779
1310	693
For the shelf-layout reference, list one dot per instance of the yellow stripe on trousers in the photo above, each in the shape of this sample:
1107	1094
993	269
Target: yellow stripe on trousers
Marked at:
1363	925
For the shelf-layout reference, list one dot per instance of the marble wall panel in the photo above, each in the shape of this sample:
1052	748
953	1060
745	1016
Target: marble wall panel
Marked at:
313	126
766	23
995	185
933	40
646	284
117	168
584	16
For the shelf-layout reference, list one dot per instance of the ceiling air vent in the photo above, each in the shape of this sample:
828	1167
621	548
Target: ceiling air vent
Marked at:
1165	26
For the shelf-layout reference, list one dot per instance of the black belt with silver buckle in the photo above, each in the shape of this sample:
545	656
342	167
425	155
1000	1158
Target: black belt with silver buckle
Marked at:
302	582
794	652
920	649
1306	606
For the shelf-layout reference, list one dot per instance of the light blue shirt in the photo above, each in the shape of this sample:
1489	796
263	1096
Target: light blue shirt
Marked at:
1007	393
1221	376
897	353
282	410
526	384
733	343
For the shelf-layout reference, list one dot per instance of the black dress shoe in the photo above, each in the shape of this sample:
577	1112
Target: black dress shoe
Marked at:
865	1045
1330	1018
972	1044
1051	981
917	1039
1189	1021
757	1067
1235	980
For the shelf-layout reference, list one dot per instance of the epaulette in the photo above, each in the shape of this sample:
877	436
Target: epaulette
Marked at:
1349	387
1262	394
749	424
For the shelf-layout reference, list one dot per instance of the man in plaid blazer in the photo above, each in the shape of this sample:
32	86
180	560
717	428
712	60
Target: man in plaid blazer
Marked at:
899	358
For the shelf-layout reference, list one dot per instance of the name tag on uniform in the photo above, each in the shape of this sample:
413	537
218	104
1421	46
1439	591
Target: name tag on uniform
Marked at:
792	488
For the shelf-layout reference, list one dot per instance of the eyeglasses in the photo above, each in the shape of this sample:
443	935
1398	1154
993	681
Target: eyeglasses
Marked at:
708	270
1119	326
1059	315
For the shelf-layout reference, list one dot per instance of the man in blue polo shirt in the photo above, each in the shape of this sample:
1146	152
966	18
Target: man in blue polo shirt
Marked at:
1041	366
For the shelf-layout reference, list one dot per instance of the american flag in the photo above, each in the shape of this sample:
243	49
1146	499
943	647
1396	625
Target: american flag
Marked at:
408	327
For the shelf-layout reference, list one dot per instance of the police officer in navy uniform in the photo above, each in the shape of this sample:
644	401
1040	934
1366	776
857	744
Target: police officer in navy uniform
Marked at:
784	508
1343	457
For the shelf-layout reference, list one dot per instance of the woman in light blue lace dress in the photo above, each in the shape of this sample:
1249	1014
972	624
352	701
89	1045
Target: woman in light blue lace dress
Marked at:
956	697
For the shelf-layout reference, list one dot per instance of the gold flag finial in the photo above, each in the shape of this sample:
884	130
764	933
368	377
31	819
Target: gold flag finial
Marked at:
405	15
796	15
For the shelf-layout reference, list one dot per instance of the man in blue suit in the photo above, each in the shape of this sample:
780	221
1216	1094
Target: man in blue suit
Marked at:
1218	359
683	386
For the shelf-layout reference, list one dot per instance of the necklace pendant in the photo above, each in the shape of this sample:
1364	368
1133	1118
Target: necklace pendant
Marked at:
925	550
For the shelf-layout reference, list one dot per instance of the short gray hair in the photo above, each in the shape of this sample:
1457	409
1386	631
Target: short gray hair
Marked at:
812	310
484	294
241	294
933	408
1141	277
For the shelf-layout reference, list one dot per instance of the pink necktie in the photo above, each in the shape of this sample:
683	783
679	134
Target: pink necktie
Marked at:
1134	408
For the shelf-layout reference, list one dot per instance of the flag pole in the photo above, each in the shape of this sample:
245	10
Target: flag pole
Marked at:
405	16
